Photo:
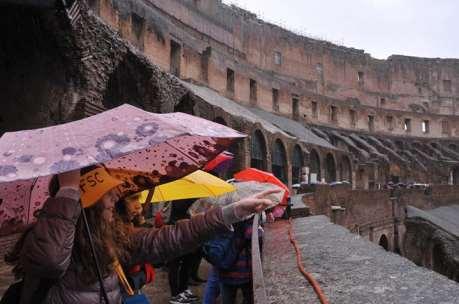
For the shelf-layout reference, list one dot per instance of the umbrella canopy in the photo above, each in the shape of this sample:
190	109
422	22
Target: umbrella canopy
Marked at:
220	163
252	174
140	148
195	185
243	190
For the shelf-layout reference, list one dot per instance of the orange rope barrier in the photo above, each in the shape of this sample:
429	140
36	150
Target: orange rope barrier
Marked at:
315	285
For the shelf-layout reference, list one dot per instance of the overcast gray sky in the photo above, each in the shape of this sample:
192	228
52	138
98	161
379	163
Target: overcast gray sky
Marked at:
424	28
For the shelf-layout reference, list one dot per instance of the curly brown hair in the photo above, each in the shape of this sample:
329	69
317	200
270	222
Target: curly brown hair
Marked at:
111	241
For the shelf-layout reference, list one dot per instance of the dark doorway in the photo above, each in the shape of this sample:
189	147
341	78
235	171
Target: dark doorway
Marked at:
295	107
455	176
384	242
279	162
330	173
220	120
253	91
258	151
297	164
438	259
314	165
230	81
176	55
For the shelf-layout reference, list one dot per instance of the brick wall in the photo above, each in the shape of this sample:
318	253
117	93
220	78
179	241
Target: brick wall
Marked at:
364	207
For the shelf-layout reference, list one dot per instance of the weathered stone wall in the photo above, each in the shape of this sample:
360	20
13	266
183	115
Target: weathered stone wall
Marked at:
347	268
427	245
373	214
224	37
33	46
208	38
88	68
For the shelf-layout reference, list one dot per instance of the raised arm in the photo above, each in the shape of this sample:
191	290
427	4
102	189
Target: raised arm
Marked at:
168	242
48	247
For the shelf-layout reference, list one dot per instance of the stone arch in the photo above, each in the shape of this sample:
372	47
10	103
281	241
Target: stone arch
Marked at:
220	120
384	242
258	151
452	147
130	82
330	168
279	161
186	105
361	179
314	166
438	258
297	164
454	176
345	169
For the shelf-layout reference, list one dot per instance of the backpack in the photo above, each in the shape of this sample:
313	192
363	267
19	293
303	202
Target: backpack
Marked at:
223	250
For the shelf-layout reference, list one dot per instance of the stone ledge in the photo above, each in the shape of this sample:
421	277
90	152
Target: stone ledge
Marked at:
348	268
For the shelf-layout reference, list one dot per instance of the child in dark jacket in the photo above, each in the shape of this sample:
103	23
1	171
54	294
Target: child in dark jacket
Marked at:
239	276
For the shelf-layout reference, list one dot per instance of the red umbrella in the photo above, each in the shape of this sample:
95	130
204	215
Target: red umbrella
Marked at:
140	148
252	174
219	163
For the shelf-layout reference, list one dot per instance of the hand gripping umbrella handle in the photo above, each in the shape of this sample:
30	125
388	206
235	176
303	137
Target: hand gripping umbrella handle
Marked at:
94	256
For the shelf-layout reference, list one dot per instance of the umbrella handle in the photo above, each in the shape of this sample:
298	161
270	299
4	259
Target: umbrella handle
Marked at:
94	256
149	196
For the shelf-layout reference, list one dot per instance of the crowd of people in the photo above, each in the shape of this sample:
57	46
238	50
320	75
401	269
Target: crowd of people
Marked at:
56	261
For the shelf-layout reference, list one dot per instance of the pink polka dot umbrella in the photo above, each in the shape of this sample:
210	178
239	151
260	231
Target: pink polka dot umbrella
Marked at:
142	149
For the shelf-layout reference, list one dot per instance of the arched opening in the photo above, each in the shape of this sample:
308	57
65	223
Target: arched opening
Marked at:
314	165
220	120
131	83
438	259
330	169
186	105
454	176
279	161
452	147
345	169
38	79
384	242
297	164
395	172
361	179
258	151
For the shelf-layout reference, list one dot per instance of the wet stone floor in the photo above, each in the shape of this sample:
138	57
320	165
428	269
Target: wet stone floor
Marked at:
349	269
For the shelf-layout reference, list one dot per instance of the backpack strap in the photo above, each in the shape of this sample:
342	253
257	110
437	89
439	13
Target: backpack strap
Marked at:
122	278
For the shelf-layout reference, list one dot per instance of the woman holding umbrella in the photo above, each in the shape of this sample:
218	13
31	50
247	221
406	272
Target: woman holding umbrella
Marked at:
58	249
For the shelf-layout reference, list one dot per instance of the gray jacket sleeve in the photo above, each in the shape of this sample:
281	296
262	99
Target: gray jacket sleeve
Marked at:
170	241
48	247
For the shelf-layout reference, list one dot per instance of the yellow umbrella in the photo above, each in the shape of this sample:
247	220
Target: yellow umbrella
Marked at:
195	185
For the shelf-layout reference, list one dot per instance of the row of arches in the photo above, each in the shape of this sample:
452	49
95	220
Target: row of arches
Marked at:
326	166
329	170
279	166
342	172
